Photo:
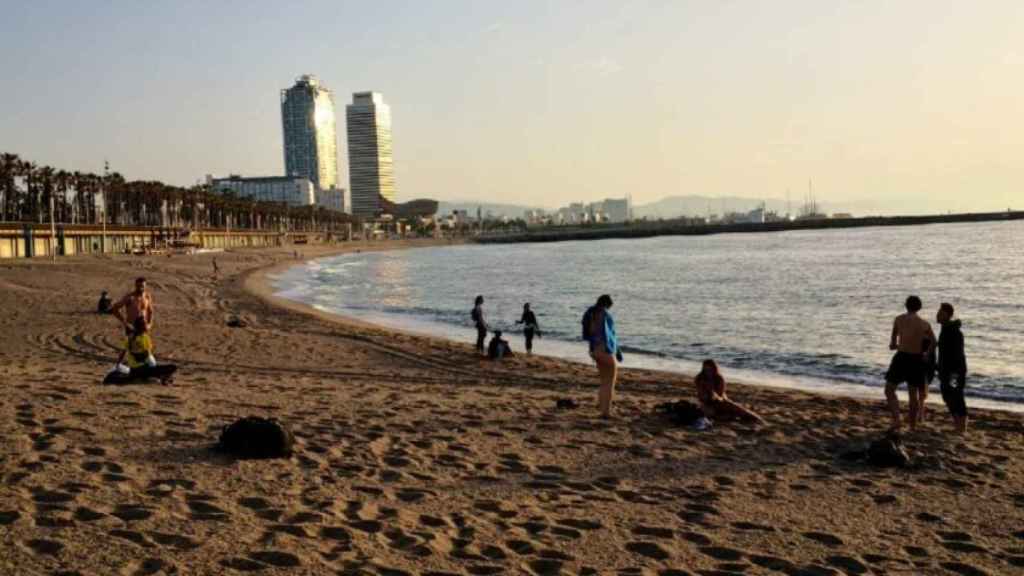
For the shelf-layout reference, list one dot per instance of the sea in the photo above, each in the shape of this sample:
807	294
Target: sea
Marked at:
809	309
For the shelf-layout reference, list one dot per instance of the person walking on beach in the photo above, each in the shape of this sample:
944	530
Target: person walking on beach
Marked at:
912	338
478	321
136	304
599	331
952	366
216	269
530	326
713	400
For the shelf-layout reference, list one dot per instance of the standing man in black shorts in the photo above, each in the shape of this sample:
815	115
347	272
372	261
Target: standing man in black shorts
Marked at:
912	339
952	366
479	322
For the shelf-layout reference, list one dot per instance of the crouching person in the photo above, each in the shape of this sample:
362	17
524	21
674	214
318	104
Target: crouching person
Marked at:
136	361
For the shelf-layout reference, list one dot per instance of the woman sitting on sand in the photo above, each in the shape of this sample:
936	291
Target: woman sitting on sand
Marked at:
712	398
137	356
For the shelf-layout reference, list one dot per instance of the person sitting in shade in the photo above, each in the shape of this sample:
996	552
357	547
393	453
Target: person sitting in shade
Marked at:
136	361
105	303
498	347
713	399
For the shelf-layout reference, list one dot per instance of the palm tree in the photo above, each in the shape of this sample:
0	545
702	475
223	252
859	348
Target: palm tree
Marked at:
9	164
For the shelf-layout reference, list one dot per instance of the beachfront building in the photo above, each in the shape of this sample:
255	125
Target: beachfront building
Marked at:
332	199
615	210
371	176
310	139
293	191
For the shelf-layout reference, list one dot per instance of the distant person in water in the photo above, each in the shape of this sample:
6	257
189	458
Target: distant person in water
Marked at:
135	304
479	322
713	399
105	303
599	332
136	361
952	366
530	327
912	339
499	347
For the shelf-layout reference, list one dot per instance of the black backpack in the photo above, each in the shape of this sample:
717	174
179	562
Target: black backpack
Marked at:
681	413
888	452
256	437
586	321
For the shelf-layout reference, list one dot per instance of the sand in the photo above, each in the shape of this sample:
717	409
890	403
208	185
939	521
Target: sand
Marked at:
415	457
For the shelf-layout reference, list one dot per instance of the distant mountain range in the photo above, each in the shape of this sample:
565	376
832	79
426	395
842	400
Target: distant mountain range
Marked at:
676	206
693	205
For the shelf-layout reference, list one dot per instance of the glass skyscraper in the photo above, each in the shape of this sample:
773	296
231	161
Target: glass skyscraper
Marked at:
310	138
371	174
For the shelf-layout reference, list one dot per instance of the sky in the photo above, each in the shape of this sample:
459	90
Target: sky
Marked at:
890	107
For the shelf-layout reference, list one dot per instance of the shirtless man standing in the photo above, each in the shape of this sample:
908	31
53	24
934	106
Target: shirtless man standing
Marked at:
135	304
912	339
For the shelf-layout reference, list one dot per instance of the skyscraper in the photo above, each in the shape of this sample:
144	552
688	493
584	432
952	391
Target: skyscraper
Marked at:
310	139
371	175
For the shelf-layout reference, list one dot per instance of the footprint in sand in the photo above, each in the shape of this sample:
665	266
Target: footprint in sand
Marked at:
132	536
825	538
963	569
773	563
580	523
696	538
849	565
752	527
45	547
653	531
150	566
132	512
648	549
202	509
276	558
521	547
176	541
722	553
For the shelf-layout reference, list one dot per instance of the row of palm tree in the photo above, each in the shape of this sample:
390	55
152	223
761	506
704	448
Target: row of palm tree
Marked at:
27	192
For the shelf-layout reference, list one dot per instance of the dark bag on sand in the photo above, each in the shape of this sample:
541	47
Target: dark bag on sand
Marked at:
682	413
888	452
566	404
256	437
885	452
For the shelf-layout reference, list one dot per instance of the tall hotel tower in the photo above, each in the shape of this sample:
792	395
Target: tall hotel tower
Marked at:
310	139
371	175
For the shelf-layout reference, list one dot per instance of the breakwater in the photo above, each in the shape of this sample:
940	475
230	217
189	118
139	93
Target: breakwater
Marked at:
644	229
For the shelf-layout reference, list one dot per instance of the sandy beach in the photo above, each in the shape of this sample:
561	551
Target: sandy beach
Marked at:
416	457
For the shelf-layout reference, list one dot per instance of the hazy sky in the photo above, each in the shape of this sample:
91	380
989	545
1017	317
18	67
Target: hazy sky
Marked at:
907	106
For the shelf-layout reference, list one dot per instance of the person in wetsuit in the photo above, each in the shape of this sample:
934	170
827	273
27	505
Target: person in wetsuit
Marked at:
952	366
478	321
530	327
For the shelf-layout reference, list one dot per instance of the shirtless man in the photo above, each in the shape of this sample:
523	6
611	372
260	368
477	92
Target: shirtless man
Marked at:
912	339
135	304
